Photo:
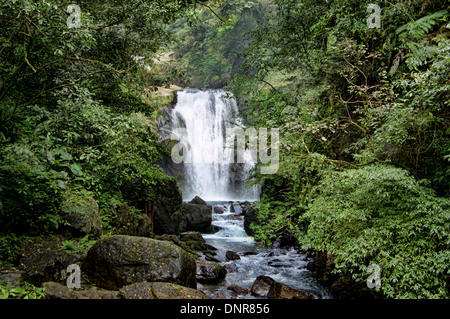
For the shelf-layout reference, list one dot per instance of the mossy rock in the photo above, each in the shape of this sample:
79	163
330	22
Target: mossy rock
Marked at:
121	260
159	290
80	214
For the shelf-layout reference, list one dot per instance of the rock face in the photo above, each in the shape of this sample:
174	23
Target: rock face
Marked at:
121	260
80	214
210	272
159	290
168	217
198	217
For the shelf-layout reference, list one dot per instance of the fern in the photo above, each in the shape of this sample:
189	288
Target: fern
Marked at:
415	30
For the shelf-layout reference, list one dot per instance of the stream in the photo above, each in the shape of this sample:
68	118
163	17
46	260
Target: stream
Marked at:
285	265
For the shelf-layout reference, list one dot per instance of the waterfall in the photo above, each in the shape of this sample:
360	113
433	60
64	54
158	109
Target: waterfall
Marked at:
200	123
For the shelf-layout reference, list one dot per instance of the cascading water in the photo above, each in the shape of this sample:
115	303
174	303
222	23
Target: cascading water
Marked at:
204	159
200	122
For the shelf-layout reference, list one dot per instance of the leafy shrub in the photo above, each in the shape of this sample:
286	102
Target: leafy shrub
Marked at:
381	215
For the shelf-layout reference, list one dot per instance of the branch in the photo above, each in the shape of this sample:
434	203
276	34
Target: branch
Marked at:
205	5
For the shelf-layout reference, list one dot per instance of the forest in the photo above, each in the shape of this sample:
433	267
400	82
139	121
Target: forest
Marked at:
361	98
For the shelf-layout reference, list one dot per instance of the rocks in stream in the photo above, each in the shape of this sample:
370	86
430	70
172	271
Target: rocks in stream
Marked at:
198	217
231	255
210	272
120	260
265	286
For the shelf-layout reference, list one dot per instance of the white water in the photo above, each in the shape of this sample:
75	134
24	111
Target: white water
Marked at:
199	121
288	266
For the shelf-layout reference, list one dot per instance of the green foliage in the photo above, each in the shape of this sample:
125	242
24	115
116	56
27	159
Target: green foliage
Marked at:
381	215
75	246
9	248
363	114
26	291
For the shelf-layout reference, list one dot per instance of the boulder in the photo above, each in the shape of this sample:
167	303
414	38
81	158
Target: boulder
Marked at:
231	255
132	223
197	200
54	290
44	260
281	291
210	272
250	218
120	260
218	210
159	290
80	214
261	285
167	214
238	290
198	217
12	277
192	236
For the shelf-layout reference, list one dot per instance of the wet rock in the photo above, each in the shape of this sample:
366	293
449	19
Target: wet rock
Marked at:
210	272
250	218
231	255
261	285
282	291
238	290
198	217
231	267
120	260
197	200
218	210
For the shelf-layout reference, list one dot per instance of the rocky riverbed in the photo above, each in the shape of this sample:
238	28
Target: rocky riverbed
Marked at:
199	260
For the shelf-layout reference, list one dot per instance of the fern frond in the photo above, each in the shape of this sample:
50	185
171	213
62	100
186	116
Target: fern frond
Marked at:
414	30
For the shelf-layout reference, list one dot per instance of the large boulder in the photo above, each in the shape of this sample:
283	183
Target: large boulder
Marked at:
167	209
198	217
159	290
80	214
121	260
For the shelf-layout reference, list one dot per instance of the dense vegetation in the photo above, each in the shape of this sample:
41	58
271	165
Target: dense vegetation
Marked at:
363	115
77	112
